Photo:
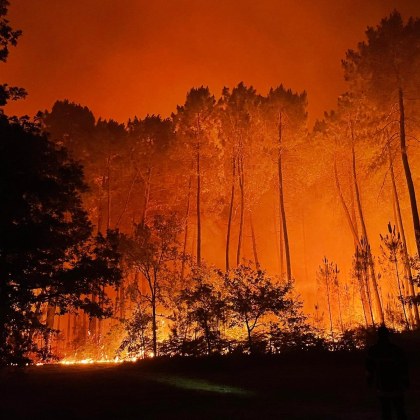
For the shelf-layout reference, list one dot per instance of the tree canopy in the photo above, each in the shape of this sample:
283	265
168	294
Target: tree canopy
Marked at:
48	255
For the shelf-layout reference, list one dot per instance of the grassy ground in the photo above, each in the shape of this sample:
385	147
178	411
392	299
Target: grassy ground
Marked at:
326	386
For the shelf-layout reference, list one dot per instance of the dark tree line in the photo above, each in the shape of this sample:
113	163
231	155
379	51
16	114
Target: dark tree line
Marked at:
51	262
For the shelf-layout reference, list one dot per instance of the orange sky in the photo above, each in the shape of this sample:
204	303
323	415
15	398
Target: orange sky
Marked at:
131	57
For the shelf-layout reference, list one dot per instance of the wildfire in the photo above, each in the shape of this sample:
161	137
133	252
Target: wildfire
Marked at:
116	360
70	362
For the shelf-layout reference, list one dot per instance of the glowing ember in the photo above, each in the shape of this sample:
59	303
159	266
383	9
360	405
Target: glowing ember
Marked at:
117	360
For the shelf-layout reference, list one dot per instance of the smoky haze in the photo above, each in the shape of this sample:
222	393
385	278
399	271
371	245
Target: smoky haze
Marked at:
133	57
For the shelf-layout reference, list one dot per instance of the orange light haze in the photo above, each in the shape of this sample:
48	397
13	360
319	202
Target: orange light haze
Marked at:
133	57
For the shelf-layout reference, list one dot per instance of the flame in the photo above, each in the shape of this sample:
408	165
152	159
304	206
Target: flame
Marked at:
68	362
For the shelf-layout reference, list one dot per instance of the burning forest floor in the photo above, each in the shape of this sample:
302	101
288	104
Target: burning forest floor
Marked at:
309	386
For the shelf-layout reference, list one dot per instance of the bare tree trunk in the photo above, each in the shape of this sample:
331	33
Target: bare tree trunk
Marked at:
127	200
339	306
187	215
363	301
75	326
345	208
405	282
242	208
407	172
327	286
108	226
84	327
147	188
364	232
281	244
49	323
151	278
365	276
154	324
198	195
229	226
356	240
99	204
401	295
401	230
108	193
122	300
281	201
100	321
279	251
68	332
92	322
305	262
254	242
50	316
353	208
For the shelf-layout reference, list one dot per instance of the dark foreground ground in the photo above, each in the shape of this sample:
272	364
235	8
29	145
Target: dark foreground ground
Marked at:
326	386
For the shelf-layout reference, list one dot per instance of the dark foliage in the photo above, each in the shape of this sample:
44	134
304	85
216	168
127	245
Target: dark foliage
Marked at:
8	37
48	255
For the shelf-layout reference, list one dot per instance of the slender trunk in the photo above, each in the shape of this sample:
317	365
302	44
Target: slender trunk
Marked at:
229	226
146	196
122	300
363	272
75	326
250	343
279	251
49	323
401	296
363	300
50	316
108	194
187	215
127	200
242	208
100	320
254	243
99	205
68	331
364	231
327	284
305	261
407	172
281	244
281	201
356	240
198	195
58	344
154	324
339	307
405	288
401	230
84	327
207	335
345	208
92	322
368	293
353	207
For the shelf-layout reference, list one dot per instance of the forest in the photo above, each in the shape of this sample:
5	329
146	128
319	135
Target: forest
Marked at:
231	227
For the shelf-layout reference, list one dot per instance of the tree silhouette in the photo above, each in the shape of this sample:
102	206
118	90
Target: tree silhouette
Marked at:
48	254
192	121
251	294
8	38
386	68
152	251
287	119
206	307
